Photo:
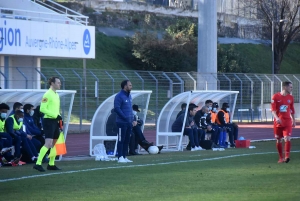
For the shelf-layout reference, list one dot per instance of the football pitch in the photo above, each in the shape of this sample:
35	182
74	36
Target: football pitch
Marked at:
233	174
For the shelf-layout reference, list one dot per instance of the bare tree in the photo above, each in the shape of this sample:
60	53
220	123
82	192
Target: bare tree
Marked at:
284	15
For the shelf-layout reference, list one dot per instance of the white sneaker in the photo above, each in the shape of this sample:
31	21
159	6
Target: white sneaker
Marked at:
127	160
122	160
194	149
199	148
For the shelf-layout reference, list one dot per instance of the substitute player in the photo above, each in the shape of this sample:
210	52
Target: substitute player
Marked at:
50	106
282	105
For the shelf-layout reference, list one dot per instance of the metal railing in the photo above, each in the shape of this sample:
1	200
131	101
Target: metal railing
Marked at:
253	102
49	13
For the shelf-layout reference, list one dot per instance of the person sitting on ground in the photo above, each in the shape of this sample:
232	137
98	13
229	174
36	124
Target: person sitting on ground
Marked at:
190	128
183	107
137	136
223	120
16	106
13	126
31	128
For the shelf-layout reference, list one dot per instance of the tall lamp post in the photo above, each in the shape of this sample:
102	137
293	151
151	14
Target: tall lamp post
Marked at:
282	20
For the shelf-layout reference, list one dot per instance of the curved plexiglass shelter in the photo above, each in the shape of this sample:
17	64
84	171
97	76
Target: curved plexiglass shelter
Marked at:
173	140
34	97
99	122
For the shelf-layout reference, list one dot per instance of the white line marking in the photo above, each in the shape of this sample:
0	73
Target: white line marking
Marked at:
272	139
132	166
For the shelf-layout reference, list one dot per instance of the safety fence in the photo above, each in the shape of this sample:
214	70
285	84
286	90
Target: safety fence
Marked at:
93	86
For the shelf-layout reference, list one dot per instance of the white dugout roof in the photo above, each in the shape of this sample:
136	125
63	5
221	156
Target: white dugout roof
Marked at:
164	134
98	125
34	97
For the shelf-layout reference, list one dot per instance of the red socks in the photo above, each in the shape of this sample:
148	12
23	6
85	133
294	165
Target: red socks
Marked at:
287	149
279	149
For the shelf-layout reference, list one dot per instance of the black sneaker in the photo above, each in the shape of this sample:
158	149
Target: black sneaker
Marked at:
52	167
145	143
39	168
160	148
146	147
287	160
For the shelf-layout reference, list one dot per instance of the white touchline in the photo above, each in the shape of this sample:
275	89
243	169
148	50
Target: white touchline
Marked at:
132	166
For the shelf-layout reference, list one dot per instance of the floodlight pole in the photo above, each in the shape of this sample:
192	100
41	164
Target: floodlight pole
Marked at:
207	43
85	89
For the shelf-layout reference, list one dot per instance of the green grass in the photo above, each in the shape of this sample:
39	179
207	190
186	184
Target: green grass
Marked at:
201	175
259	58
115	53
111	53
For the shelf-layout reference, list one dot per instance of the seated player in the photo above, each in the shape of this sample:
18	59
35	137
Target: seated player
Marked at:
213	115
3	135
38	118
190	128
6	139
183	108
201	119
31	128
137	136
223	121
111	126
13	126
16	106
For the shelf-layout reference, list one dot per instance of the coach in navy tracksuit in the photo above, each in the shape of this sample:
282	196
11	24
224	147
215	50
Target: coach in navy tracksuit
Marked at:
123	108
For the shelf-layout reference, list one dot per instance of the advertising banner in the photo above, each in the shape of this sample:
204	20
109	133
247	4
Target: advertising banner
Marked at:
45	39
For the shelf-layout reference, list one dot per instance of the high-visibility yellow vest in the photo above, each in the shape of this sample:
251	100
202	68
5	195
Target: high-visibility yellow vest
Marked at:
2	125
50	104
16	125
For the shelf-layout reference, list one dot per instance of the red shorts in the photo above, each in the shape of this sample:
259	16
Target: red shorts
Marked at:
282	131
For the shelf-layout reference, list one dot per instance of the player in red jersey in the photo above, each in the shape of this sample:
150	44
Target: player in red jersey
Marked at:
283	111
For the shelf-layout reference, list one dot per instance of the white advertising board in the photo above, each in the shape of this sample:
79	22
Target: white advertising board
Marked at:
45	39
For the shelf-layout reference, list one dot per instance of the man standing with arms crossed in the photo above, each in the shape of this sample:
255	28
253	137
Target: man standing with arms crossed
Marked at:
50	106
123	108
283	111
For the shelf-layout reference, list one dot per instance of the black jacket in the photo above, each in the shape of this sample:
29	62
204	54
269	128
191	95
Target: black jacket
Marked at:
180	113
201	120
111	125
177	125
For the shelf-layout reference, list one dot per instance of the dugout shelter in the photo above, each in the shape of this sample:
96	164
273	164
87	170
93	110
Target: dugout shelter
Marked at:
172	141
98	126
34	97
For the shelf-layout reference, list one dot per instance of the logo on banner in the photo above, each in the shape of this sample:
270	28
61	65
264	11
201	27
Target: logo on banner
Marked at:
86	41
